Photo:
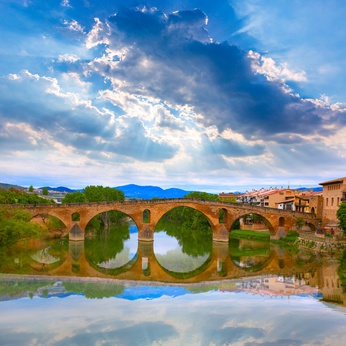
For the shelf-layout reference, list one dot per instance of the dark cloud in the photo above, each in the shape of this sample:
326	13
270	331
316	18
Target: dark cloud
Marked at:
170	57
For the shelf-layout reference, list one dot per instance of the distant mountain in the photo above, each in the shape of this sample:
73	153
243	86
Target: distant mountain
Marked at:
9	186
314	189
60	189
148	192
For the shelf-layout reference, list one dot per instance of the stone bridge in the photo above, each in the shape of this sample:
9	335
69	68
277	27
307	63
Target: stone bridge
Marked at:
147	213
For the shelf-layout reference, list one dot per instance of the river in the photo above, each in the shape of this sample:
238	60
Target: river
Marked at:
180	289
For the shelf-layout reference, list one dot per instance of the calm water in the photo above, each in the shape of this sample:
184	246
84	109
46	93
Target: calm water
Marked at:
182	289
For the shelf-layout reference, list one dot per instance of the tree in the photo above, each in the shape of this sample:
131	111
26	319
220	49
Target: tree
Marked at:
31	188
45	191
202	195
75	197
95	194
15	225
13	196
341	215
102	194
300	222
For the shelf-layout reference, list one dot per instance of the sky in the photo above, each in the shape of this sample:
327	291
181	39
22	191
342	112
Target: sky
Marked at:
202	95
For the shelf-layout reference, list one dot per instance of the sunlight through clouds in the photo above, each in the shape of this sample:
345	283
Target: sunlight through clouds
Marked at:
188	90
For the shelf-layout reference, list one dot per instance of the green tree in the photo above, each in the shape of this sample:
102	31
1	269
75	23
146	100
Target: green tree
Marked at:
75	197
101	194
202	195
13	196
15	225
31	188
341	215
300	222
45	191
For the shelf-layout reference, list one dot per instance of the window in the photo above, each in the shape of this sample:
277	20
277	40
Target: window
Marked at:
332	201
326	202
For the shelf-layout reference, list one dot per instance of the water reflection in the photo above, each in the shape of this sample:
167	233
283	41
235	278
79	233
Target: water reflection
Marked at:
170	255
34	255
113	289
250	255
112	249
182	242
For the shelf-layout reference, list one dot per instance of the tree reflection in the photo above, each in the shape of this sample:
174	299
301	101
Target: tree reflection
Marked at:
94	290
190	227
105	236
250	255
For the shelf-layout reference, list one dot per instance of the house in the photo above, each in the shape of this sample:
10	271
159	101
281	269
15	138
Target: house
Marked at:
334	193
272	197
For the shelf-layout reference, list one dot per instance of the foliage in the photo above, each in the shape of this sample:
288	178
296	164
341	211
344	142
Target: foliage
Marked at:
202	195
21	257
300	222
190	227
341	215
13	288
54	224
31	188
45	191
13	196
102	242
95	194
15	225
229	199
100	194
75	197
94	290
291	237
248	234
342	268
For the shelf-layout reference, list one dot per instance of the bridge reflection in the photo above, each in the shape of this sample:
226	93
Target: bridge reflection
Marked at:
222	263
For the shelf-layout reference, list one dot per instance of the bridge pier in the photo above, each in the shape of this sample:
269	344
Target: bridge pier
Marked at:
146	233
76	233
221	253
220	233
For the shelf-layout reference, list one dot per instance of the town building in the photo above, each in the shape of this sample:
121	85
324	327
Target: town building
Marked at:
334	193
304	202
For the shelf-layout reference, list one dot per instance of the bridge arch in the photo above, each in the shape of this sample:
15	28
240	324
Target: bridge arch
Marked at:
252	222
43	218
90	216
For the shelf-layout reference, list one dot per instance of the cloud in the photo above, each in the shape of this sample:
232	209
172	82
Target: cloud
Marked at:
68	58
118	87
73	25
65	3
172	58
67	119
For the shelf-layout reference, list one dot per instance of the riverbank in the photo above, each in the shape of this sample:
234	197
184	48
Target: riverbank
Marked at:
316	243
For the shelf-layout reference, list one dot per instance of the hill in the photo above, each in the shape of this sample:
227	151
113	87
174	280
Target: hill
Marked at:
148	192
60	189
4	186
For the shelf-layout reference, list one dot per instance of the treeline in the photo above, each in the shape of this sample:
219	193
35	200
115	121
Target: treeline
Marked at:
15	225
94	194
13	196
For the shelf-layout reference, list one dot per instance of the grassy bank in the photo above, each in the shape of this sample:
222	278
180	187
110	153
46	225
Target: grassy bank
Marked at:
287	241
249	235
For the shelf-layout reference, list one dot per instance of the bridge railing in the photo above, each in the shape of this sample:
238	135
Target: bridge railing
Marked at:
165	200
